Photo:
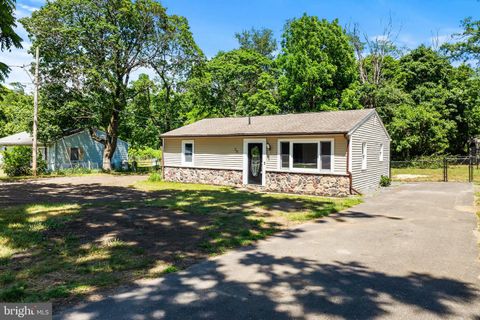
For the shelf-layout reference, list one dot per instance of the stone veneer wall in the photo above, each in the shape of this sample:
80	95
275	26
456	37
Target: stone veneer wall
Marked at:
289	182
206	176
321	185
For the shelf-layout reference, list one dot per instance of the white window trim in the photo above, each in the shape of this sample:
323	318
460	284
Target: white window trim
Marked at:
185	163
381	155
303	170
245	159
364	163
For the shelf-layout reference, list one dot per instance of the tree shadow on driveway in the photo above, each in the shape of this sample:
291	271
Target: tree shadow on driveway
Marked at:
13	194
282	288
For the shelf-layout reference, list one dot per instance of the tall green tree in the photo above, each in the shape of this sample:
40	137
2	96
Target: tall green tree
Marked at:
8	37
235	83
141	125
90	50
318	64
259	40
15	110
467	44
174	66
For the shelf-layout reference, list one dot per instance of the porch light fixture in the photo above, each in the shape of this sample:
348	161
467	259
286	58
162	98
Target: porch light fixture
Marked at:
269	146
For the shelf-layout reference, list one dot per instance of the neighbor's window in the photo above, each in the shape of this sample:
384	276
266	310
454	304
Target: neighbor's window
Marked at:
305	155
285	154
364	155
187	152
380	156
74	154
326	155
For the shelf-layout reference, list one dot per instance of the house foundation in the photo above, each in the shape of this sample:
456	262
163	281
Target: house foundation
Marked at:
287	182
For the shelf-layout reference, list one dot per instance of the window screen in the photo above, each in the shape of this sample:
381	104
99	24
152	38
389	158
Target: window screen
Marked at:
188	152
326	155
285	154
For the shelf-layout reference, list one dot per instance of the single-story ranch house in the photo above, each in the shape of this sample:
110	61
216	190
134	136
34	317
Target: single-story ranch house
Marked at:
322	153
75	149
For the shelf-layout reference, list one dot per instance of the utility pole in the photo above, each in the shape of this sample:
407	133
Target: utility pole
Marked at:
35	114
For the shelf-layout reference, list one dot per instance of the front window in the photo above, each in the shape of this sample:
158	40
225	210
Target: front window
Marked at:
305	155
187	152
74	154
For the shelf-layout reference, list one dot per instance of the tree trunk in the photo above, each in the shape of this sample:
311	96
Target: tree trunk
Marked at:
111	140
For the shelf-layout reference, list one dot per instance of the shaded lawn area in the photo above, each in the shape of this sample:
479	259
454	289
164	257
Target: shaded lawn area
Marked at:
457	173
59	251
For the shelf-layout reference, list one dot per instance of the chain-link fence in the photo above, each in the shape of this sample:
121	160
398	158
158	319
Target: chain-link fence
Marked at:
451	168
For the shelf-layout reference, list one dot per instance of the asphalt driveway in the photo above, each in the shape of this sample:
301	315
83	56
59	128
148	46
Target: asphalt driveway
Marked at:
408	253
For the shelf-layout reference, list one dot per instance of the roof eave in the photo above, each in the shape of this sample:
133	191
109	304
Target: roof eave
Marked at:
251	134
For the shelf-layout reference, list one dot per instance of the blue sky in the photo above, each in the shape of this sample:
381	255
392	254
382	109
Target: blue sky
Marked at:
214	22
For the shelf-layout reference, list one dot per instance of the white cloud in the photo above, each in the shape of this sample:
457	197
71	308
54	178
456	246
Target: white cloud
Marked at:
408	40
27	7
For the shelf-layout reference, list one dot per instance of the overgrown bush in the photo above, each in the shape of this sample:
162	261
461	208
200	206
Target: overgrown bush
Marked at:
385	181
155	177
144	153
17	161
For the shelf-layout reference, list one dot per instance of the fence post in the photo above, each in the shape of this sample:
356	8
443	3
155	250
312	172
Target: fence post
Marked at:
470	169
445	170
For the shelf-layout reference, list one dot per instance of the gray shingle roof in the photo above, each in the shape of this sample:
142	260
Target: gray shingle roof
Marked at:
295	124
18	139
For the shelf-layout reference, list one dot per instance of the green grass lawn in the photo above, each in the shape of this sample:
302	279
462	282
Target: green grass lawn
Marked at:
56	252
455	173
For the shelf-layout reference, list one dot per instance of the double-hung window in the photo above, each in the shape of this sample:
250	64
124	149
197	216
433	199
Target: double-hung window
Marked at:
187	152
284	154
306	155
74	154
364	155
381	153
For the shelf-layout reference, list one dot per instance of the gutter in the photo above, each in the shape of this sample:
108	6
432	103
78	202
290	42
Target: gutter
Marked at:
254	134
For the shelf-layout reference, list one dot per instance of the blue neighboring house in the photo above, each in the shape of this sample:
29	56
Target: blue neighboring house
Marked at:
74	149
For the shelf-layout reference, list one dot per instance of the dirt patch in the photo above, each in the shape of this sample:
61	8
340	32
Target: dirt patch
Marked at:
83	189
409	176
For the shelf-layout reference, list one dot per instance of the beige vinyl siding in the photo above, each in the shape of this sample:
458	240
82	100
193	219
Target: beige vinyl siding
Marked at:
220	153
340	151
374	135
227	152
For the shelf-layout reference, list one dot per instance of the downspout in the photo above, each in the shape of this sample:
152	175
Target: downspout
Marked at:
349	173
163	158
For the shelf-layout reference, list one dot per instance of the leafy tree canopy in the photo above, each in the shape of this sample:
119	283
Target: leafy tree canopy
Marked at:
259	40
234	83
8	37
467	46
318	63
89	51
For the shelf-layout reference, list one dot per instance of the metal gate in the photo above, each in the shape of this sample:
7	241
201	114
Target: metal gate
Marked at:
459	168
